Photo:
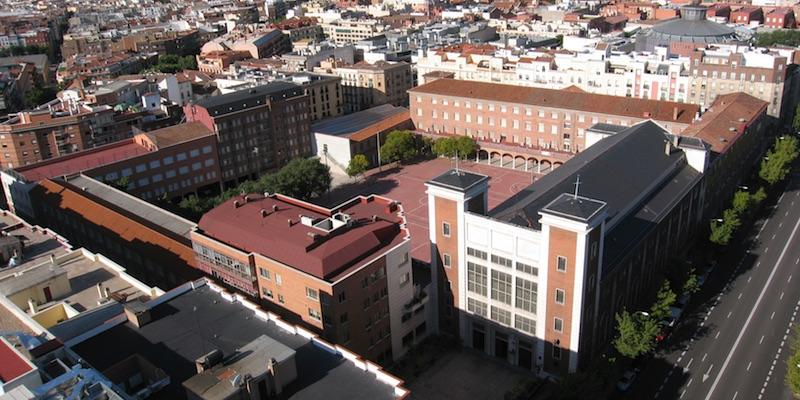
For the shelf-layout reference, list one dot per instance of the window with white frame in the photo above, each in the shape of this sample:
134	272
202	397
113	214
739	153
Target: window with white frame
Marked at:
558	324
476	307
525	298
561	264
525	324
560	296
476	278
500	315
501	287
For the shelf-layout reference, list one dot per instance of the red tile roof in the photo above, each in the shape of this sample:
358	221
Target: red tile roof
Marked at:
726	120
260	225
564	99
12	364
82	161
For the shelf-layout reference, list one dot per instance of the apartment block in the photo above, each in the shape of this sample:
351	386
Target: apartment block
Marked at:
258	129
347	31
32	136
262	44
153	244
513	123
343	272
171	162
368	85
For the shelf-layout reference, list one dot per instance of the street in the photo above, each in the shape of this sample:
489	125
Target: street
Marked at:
734	341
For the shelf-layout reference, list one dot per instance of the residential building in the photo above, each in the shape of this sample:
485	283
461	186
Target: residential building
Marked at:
368	85
218	61
747	15
171	162
348	31
338	139
262	44
539	128
258	129
780	18
343	272
153	244
230	340
32	136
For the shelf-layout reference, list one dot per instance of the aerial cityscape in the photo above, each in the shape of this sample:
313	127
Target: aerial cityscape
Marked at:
400	199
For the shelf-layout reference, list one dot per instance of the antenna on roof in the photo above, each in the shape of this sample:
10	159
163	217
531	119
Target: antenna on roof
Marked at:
457	171
577	184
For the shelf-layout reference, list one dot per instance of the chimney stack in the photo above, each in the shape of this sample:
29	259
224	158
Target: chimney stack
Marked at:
675	113
667	149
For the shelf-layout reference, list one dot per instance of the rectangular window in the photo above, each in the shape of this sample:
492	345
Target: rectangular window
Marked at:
527	269
404	279
526	295
342	297
445	229
278	279
501	287
314	314
194	153
155	164
561	264
476	307
558	324
266	292
525	324
476	253
560	295
181	156
169	160
447	260
501	316
280	299
312	293
476	278
502	261
556	353
264	273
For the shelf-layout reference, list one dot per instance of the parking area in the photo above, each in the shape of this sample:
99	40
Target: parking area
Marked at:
406	184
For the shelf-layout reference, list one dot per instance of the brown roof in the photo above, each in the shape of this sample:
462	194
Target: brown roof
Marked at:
381	126
566	99
258	224
176	134
142	234
726	120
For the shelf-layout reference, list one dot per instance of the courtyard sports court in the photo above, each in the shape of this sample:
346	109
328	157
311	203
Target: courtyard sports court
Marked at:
406	184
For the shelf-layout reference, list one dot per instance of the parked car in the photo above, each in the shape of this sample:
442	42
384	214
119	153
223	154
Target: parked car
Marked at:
624	383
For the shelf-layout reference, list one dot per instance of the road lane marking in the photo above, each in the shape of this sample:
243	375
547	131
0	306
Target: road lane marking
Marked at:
717	335
689	363
773	237
704	357
739	296
682	393
790	276
748	365
705	376
734	395
729	314
761	340
752	312
772	316
781	295
780	225
758	263
748	279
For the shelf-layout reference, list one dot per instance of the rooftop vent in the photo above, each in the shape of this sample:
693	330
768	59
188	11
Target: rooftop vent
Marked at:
236	204
208	360
264	213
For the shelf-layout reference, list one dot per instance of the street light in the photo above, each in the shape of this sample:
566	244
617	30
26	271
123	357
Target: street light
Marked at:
717	220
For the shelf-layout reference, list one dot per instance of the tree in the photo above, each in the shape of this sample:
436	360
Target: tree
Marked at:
399	146
741	202
635	334
463	146
776	166
357	165
691	286
194	207
760	195
786	37
793	364
721	233
796	122
665	298
301	178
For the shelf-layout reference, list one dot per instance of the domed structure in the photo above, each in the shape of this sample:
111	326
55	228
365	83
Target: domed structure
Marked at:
692	27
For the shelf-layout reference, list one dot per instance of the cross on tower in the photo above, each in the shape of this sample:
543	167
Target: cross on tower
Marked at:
577	184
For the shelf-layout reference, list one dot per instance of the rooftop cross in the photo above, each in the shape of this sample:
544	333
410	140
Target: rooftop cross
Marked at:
577	184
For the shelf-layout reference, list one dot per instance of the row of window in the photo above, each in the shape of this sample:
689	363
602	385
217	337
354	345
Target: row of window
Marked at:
505	262
501	316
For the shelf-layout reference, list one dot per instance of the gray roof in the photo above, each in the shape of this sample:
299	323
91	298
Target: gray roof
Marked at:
616	170
199	321
249	98
458	180
692	27
134	205
574	207
603	127
37	59
348	124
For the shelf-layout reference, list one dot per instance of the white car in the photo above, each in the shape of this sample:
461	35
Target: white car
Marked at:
624	383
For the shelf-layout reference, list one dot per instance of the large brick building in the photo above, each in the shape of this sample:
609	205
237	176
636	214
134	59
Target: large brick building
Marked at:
258	129
532	126
344	272
536	281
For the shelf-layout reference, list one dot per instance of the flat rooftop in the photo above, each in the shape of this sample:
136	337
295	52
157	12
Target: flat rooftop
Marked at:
259	224
82	161
134	205
192	324
350	124
39	244
177	134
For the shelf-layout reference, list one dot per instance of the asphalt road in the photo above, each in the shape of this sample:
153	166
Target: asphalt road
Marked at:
734	341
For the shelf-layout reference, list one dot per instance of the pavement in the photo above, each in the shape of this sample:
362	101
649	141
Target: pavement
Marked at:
735	340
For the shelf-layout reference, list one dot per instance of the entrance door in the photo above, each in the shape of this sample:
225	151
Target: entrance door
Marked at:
48	296
478	338
500	345
525	355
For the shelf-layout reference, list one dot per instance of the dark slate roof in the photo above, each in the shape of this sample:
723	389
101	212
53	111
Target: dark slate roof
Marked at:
199	321
249	98
458	180
578	208
607	128
616	170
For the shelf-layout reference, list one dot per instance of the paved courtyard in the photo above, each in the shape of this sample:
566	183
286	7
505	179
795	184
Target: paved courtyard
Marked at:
465	374
406	184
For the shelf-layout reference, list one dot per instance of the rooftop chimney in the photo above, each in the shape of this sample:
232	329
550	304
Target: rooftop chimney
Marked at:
208	360
138	313
264	213
236	204
667	146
